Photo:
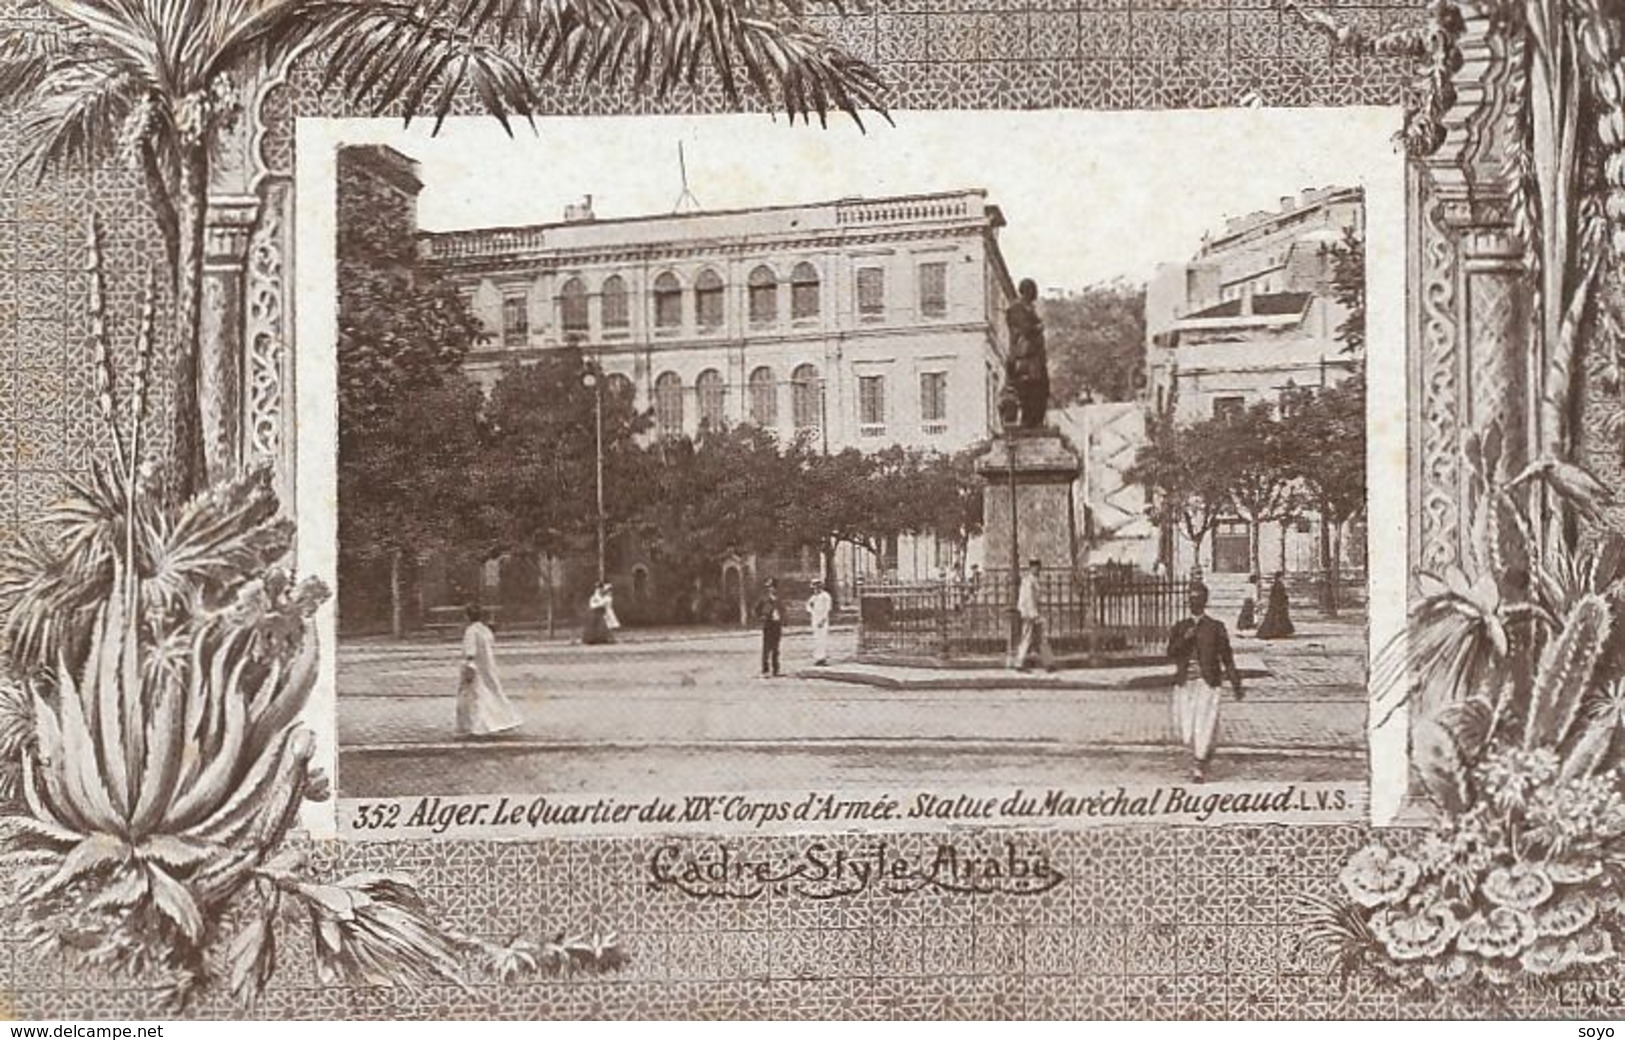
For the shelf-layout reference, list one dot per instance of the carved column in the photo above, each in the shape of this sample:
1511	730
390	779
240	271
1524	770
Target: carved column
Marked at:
266	375
225	247
1470	317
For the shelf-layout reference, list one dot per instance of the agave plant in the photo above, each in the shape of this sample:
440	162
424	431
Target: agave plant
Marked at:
1514	661
161	657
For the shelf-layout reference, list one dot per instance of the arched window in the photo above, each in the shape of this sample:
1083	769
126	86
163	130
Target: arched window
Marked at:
615	314
668	301
804	291
713	398
807	398
764	398
669	404
619	388
708	300
764	296
573	306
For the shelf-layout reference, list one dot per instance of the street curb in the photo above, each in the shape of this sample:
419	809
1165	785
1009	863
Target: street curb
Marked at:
970	681
840	744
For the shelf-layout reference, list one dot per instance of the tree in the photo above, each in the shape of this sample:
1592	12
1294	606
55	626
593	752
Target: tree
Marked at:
1348	289
853	498
156	82
1327	444
944	496
1181	469
1096	342
729	491
1250	455
537	483
404	483
409	420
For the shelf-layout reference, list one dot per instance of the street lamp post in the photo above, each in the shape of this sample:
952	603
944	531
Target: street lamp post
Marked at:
594	380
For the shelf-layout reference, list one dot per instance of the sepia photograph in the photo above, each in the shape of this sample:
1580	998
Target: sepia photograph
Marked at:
931	470
749	510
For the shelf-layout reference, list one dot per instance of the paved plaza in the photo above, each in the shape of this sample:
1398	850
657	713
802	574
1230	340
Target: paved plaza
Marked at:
687	708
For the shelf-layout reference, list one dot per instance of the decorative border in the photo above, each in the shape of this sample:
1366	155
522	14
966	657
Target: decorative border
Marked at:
1164	922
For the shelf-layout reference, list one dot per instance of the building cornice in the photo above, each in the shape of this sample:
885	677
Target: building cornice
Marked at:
555	260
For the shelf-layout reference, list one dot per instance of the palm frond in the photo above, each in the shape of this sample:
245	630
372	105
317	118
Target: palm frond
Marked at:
1335	929
420	57
26	58
391	54
76	118
229	531
130	33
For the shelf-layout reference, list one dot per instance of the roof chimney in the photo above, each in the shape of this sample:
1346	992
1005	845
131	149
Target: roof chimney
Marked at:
1288	203
579	212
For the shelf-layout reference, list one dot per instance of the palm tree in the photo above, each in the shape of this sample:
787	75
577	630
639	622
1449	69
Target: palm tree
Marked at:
154	82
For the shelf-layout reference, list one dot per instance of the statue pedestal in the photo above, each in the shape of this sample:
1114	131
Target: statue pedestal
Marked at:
1027	505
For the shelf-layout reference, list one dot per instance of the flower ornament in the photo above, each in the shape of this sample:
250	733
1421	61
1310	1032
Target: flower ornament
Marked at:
1415	936
1572	872
1522	886
1593	947
1548	957
1454	970
1377	877
1555	956
1503	932
1567	916
1434	854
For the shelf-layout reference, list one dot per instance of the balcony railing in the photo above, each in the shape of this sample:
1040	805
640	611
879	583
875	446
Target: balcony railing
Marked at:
458	245
943	207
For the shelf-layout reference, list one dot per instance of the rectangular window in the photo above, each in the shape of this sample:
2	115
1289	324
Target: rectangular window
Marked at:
515	322
934	402
871	293
933	290
1228	407
871	405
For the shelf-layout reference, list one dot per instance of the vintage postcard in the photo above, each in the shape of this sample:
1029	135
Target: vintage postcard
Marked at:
741	540
1000	511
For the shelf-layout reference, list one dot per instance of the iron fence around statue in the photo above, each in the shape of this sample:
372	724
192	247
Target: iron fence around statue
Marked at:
1103	616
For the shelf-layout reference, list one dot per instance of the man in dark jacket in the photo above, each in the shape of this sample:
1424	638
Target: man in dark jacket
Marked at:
1199	648
770	613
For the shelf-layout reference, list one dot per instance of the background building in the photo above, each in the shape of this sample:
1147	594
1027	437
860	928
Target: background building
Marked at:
1247	319
857	323
864	323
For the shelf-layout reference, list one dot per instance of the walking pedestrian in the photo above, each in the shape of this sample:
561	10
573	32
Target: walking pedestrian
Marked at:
482	707
601	619
819	605
1199	648
1034	635
597	629
1277	623
770	613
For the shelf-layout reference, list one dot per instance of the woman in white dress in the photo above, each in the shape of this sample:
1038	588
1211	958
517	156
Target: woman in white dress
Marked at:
482	707
601	619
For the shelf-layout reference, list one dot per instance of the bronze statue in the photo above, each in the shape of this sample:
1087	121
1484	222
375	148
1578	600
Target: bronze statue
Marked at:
1026	373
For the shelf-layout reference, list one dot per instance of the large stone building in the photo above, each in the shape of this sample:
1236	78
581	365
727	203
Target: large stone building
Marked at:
859	323
1249	318
864	322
